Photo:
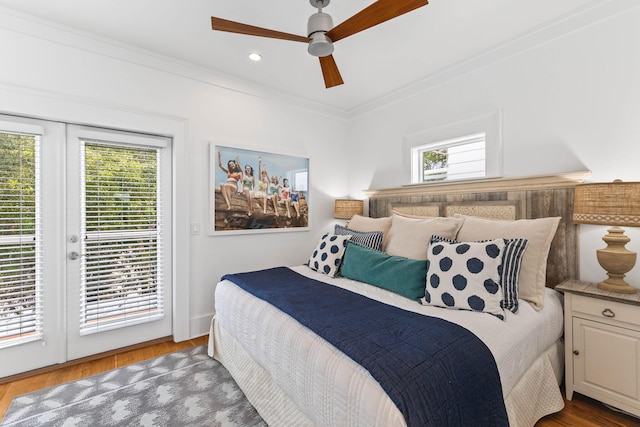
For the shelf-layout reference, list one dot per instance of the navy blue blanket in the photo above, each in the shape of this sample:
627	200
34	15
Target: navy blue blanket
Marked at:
436	372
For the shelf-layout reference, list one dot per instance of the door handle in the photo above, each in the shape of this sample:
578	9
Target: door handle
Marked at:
74	256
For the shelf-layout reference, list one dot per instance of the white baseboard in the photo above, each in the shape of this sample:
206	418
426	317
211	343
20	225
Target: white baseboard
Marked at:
199	326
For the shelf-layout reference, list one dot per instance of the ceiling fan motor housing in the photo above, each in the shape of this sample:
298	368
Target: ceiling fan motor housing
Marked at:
317	26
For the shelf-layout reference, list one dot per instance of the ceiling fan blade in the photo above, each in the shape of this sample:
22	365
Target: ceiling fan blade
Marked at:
330	71
377	13
220	24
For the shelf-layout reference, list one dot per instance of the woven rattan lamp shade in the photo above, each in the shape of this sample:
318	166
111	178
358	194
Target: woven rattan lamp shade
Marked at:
347	208
607	203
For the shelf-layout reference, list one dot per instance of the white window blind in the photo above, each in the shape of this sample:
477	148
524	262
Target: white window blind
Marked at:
121	272
20	237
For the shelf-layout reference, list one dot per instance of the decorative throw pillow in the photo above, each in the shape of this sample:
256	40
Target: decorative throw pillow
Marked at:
465	276
428	211
539	232
509	270
370	239
410	237
366	224
403	276
327	256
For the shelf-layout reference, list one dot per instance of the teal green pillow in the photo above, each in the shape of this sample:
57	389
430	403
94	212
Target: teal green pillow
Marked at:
404	276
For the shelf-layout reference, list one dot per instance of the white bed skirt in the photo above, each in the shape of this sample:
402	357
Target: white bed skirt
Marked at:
535	395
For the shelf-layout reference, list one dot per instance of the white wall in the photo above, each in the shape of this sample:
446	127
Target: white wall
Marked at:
53	74
569	104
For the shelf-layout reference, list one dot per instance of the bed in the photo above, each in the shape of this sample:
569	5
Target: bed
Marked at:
295	376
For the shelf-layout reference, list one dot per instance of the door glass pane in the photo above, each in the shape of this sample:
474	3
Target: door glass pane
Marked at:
121	276
20	239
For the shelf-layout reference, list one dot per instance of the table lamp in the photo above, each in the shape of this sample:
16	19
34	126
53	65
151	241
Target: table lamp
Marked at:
347	208
617	204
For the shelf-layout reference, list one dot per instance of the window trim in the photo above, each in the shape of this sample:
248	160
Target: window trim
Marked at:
106	318
489	123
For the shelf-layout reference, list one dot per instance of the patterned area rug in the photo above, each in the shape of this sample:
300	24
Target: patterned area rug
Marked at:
185	388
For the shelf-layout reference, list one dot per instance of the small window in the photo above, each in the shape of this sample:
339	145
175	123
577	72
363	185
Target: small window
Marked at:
459	158
470	148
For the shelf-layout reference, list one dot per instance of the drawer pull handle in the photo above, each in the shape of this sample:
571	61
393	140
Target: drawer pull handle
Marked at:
608	313
576	352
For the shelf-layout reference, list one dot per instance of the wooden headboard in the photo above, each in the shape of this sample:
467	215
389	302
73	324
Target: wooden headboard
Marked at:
499	198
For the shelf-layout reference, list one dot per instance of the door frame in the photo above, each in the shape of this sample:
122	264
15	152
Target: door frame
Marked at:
15	100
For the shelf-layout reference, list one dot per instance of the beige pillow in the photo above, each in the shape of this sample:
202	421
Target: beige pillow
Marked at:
410	237
366	224
539	232
406	215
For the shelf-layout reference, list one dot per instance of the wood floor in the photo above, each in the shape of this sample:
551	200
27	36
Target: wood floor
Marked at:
581	411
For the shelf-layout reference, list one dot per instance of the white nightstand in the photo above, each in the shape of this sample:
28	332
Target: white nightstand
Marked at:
602	344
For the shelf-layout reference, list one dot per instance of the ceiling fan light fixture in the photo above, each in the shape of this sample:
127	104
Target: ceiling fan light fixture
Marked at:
317	26
320	45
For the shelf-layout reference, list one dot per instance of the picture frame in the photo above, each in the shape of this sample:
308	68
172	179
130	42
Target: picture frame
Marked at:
257	191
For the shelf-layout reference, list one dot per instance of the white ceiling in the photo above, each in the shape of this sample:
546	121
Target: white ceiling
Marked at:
373	63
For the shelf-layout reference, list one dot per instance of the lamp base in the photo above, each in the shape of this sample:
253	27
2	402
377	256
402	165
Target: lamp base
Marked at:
616	260
620	286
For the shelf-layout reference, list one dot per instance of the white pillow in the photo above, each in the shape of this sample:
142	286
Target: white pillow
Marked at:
410	237
366	224
539	232
327	256
466	276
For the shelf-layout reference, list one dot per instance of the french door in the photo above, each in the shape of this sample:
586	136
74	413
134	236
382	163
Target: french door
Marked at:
118	239
85	262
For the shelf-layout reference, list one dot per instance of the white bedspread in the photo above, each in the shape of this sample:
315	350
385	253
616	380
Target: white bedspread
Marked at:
329	388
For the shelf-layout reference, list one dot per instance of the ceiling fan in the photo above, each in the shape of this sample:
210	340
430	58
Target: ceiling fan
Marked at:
321	34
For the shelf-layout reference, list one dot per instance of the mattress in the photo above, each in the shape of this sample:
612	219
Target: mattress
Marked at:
292	376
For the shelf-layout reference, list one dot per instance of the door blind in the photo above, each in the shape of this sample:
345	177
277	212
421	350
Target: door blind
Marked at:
20	239
121	272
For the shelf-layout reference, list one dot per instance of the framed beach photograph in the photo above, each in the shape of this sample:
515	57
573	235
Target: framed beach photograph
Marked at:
257	191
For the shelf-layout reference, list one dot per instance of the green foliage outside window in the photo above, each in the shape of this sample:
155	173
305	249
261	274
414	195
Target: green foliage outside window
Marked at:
121	188
433	161
17	184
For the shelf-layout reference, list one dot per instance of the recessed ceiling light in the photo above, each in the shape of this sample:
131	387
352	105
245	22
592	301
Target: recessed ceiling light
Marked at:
255	56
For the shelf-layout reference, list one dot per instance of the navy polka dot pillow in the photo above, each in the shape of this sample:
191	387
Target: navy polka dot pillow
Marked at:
466	276
327	256
512	255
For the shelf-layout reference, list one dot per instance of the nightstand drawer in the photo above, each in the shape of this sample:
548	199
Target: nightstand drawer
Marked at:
606	310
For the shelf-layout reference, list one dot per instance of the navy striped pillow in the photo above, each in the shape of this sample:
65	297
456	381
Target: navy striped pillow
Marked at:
510	269
369	239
